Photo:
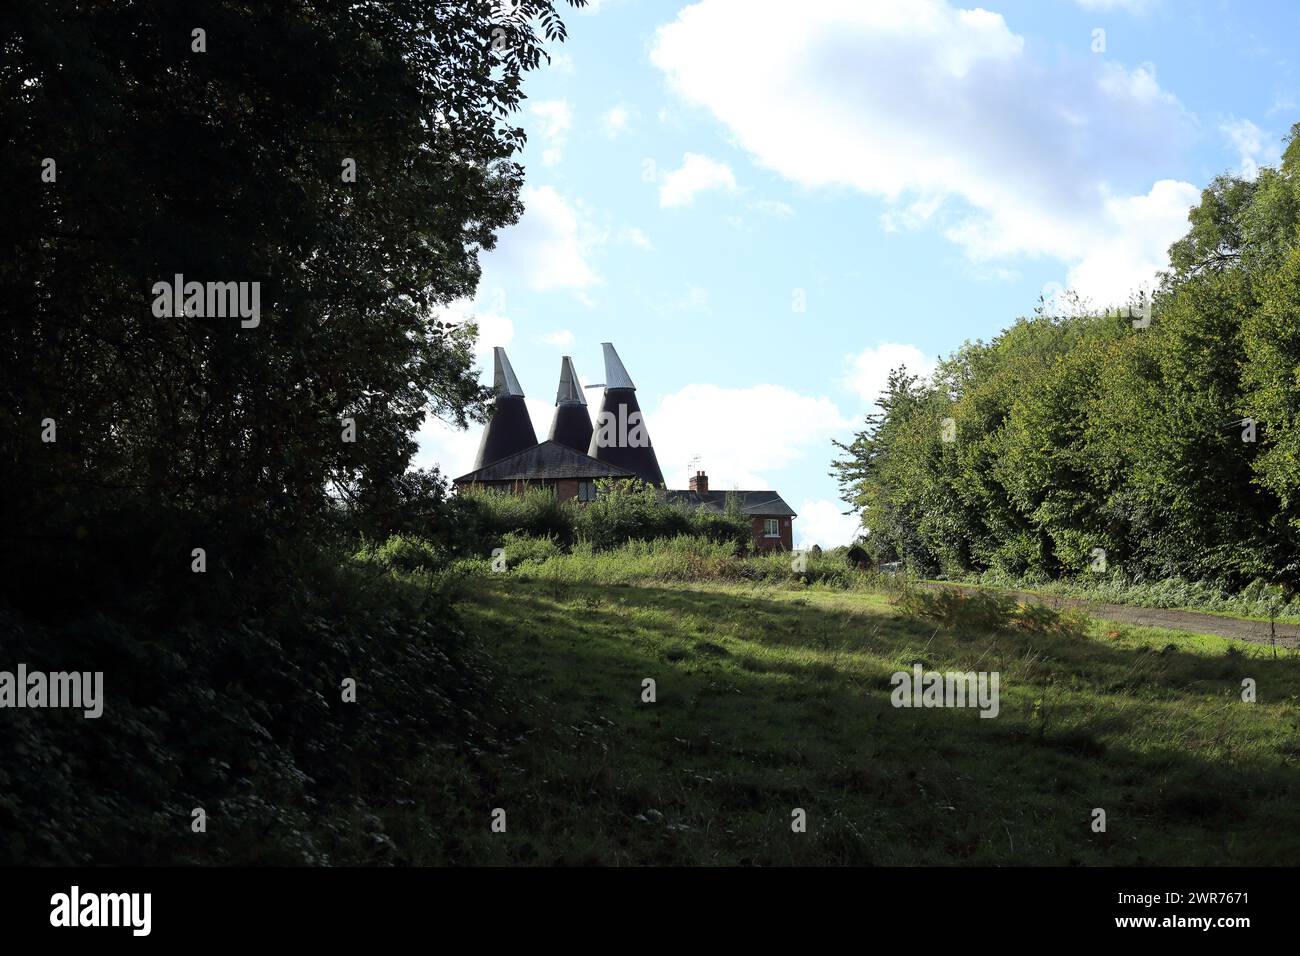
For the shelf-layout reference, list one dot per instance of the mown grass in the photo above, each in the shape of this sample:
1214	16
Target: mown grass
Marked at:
771	699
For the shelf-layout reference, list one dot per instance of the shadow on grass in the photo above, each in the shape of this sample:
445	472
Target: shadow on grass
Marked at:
765	706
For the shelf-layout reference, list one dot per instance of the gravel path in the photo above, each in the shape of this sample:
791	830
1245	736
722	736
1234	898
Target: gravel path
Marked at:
1256	632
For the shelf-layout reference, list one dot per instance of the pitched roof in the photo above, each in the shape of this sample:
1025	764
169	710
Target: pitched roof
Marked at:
548	461
753	503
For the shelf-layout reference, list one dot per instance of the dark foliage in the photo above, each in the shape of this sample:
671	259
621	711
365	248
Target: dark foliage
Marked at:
231	433
228	166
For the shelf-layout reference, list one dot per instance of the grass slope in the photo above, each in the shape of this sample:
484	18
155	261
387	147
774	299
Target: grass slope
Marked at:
771	699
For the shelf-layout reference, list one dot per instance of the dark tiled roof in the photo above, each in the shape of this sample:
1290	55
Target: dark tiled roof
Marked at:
754	503
548	461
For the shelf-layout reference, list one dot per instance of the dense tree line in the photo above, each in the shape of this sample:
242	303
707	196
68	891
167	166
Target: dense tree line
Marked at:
1173	445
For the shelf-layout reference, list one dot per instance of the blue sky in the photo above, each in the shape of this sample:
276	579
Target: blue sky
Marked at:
767	205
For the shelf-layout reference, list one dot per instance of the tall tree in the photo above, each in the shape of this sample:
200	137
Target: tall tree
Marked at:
351	160
1171	445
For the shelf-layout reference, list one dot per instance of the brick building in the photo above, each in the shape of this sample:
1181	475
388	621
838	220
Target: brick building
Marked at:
771	519
576	455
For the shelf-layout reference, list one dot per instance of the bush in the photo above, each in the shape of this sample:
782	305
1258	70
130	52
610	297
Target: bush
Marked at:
490	514
405	554
625	511
522	549
987	611
730	527
246	720
954	610
629	511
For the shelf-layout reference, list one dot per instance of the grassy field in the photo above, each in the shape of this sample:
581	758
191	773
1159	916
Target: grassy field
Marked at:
771	699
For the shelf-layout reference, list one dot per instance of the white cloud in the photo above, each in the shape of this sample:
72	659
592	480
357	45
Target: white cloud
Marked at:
773	207
636	237
1282	103
695	300
1139	230
486	312
1133	6
696	175
820	522
1255	147
741	434
911	217
555	118
550	248
617	120
453	449
561	338
868	371
945	114
449	449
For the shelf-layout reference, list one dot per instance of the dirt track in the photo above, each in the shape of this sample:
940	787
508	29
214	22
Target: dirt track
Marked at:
1256	632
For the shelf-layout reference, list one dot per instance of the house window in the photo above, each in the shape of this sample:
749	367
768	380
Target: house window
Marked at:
771	529
586	491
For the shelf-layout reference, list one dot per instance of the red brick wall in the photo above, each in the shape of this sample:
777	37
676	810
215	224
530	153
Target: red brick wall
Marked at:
783	543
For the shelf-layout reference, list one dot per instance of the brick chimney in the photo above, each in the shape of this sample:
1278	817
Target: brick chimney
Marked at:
700	482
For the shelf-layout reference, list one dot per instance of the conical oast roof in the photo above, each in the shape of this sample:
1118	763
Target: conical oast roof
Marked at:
509	430
571	425
620	436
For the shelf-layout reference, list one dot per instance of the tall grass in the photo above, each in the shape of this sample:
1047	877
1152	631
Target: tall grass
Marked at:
624	511
987	612
1258	600
681	558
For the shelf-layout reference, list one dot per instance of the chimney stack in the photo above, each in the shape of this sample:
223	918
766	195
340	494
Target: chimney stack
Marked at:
571	425
509	430
700	482
620	436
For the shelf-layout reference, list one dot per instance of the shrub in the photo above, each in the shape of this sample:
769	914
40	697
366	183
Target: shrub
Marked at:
987	611
491	514
405	554
731	526
625	511
245	719
858	557
954	610
629	511
523	549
